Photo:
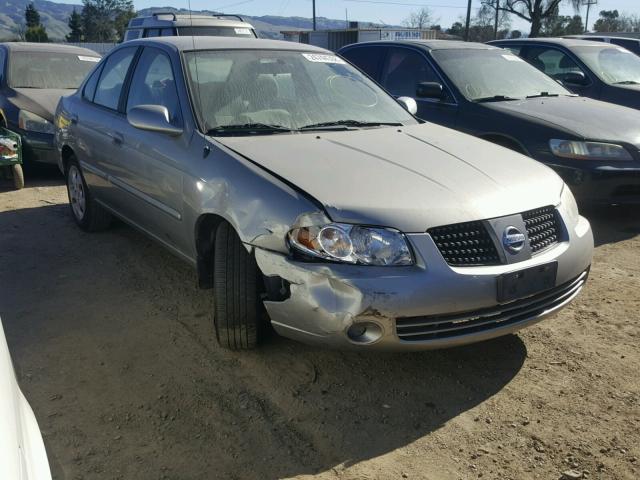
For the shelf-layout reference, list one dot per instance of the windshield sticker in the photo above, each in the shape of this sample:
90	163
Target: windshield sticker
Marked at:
320	58
242	31
88	59
512	58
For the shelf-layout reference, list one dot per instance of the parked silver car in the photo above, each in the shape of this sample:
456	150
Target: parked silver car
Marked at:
311	201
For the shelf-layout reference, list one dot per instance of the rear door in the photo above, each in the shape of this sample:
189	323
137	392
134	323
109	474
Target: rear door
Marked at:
97	123
368	58
403	70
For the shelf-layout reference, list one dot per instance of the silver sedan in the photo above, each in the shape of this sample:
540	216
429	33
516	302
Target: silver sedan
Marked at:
312	202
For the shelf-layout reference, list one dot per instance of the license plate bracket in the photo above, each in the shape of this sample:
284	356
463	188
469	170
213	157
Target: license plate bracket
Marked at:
527	282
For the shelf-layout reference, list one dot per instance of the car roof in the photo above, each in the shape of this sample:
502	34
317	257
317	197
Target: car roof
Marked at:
613	37
160	20
432	44
189	43
564	42
48	47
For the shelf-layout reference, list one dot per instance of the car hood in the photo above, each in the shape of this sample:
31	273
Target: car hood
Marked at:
584	117
411	178
42	102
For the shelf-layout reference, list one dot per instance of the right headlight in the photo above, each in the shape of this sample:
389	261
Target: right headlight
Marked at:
354	244
588	150
34	123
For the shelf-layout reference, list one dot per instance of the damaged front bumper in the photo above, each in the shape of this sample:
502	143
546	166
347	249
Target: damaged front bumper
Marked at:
427	305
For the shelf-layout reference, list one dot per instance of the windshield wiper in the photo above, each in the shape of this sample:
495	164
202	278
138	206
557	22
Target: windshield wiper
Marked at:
249	128
343	124
495	98
627	82
543	94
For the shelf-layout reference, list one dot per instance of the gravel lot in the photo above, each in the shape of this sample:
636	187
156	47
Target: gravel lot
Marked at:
113	346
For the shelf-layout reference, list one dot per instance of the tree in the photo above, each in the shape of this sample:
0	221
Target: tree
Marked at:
515	34
36	34
105	20
75	27
420	19
34	30
612	21
534	11
557	25
31	16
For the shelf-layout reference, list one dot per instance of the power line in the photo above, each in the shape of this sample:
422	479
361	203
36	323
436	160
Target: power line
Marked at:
403	4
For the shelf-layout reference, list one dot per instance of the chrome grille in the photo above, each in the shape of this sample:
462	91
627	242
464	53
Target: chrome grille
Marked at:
465	244
415	329
543	228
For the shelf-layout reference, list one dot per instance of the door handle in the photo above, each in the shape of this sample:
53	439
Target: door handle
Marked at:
117	138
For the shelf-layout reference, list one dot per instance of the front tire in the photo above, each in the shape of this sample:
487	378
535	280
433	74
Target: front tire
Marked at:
237	279
18	176
88	214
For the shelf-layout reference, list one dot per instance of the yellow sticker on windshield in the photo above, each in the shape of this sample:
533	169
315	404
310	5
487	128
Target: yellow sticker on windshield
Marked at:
322	58
88	59
512	58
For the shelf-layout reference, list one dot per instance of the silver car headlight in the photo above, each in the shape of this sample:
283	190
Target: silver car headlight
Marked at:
588	150
34	123
569	205
354	244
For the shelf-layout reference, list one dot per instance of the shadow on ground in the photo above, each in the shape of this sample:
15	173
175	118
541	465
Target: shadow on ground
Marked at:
114	349
613	224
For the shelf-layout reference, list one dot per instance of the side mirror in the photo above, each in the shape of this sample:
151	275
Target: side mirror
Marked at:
430	90
409	104
575	78
154	118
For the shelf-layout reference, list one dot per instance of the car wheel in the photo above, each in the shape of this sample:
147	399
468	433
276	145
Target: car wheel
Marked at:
18	176
239	312
88	214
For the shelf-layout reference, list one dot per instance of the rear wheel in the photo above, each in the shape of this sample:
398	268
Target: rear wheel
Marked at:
88	214
18	176
239	312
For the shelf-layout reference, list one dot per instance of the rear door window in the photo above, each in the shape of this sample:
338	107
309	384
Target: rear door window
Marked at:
152	32
631	45
113	76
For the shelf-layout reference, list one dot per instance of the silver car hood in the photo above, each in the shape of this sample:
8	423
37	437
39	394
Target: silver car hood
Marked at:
411	178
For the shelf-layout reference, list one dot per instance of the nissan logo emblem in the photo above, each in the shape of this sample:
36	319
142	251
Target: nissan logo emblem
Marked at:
513	239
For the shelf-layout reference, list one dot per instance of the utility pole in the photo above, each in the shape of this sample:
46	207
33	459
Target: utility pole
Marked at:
495	28
314	15
466	29
588	3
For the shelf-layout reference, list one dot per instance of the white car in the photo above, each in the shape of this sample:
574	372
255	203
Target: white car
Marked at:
22	452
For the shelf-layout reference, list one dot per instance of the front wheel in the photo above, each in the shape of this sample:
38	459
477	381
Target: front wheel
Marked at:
239	312
88	214
18	176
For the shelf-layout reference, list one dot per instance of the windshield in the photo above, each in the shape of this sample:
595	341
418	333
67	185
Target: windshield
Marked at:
286	89
613	65
49	69
217	31
484	74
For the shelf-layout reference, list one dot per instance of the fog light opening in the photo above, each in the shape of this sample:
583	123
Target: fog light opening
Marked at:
364	332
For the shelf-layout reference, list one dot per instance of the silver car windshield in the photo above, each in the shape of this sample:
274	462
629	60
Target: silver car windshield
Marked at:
613	65
49	70
290	90
494	74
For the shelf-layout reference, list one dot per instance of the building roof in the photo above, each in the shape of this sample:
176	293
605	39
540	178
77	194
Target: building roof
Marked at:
48	47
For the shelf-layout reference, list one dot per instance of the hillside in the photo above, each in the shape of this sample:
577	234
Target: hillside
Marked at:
55	15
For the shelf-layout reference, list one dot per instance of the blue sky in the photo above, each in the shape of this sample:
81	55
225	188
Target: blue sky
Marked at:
388	11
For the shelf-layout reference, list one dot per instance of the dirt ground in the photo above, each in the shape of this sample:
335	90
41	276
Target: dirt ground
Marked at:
113	346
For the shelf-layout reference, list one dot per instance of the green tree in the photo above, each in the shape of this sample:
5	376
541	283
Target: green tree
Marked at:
105	20
31	16
534	11
36	34
75	27
609	21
